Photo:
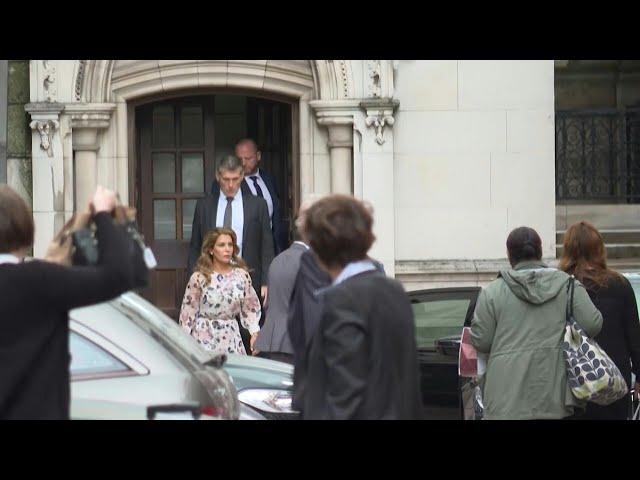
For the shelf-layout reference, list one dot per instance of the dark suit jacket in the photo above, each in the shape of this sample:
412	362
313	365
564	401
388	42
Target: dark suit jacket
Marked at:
257	242
363	361
305	311
277	228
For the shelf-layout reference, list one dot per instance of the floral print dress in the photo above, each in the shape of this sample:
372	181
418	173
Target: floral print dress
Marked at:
211	305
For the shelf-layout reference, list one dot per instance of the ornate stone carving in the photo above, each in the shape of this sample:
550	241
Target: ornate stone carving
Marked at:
46	130
379	122
379	115
80	79
344	78
49	82
375	72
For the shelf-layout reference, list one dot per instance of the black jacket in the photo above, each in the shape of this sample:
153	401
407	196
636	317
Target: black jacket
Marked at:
619	337
277	228
35	299
363	361
305	312
257	241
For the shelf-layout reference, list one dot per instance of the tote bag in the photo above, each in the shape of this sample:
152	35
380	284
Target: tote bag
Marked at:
591	374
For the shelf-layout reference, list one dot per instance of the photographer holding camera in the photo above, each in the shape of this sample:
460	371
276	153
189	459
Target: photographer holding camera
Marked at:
36	298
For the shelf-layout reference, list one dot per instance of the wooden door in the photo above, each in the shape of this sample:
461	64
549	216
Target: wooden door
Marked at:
269	123
176	166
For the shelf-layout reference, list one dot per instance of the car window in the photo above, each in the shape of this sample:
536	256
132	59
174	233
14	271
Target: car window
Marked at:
87	358
438	318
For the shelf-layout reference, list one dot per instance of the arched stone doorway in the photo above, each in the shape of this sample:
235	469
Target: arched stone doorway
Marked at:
88	108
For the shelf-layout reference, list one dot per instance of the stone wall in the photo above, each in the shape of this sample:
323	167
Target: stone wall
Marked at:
18	131
474	157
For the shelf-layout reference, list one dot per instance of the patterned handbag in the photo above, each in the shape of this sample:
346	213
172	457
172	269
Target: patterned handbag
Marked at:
592	375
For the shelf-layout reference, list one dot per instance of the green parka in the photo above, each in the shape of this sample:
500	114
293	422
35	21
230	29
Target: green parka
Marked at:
519	322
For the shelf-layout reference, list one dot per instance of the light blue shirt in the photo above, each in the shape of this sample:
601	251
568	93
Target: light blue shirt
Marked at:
237	215
354	268
8	258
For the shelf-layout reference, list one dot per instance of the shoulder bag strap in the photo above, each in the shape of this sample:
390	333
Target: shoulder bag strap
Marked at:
570	289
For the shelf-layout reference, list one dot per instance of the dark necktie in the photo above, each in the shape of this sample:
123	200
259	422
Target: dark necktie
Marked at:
255	184
226	223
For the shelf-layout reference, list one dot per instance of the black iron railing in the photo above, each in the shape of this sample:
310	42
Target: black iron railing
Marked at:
598	155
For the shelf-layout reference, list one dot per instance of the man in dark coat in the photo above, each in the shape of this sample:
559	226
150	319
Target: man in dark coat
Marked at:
247	215
260	183
362	359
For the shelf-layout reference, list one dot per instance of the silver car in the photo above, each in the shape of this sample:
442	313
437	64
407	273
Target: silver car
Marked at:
128	362
131	361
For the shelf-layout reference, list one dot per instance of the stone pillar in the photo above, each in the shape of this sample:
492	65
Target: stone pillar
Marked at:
337	117
47	172
378	183
87	122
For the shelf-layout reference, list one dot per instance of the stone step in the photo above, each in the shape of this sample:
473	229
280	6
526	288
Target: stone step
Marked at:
615	250
618	236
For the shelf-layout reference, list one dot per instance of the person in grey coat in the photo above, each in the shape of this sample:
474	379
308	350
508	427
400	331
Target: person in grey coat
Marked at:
273	340
519	321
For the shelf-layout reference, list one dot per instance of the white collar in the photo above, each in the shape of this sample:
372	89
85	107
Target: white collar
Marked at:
257	174
353	269
302	243
8	258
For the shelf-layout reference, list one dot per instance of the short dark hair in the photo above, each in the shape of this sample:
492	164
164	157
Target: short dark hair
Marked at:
339	229
16	221
524	243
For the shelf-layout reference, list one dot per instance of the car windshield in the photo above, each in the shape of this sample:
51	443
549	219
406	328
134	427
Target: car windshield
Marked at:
161	326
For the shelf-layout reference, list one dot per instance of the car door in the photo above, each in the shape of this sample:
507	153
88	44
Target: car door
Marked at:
439	316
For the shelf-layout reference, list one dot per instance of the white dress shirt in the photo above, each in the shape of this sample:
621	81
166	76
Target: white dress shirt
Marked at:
237	215
263	187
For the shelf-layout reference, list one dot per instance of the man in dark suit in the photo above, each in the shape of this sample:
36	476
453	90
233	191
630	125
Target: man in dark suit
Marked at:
259	183
246	214
362	362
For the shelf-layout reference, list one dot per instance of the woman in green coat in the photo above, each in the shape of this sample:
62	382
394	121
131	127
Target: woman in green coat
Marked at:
519	322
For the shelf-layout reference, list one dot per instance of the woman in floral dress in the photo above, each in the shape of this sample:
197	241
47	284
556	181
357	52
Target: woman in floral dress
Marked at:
219	291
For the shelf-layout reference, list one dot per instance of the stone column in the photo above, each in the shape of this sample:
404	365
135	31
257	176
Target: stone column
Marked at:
378	183
47	172
87	122
337	117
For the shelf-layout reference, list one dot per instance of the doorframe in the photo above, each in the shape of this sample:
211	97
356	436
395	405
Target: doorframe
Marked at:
132	133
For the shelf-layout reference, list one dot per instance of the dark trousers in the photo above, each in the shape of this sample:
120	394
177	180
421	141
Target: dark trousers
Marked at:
618	410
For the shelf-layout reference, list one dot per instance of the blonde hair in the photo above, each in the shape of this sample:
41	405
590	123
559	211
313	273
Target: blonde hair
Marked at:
204	264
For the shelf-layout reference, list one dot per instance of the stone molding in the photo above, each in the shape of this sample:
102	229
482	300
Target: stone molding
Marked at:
338	117
90	115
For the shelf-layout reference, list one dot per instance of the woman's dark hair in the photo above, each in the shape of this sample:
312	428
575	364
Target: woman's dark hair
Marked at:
584	255
339	230
523	243
16	221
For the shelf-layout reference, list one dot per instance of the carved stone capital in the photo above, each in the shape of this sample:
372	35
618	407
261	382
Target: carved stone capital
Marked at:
337	116
90	115
45	120
379	114
87	120
46	129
